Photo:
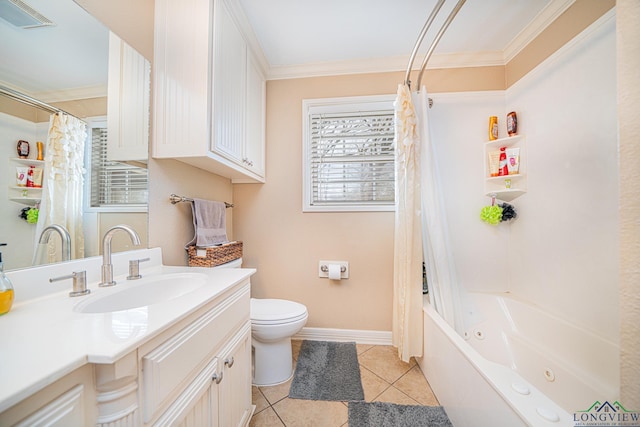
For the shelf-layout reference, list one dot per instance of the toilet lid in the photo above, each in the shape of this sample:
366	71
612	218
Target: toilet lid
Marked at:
276	310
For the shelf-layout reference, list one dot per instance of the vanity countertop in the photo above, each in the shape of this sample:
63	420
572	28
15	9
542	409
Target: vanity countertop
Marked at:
43	338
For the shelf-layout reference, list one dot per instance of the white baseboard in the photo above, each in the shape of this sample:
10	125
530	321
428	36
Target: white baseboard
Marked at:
359	336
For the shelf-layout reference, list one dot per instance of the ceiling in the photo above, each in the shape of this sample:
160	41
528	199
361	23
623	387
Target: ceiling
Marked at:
297	38
65	61
295	35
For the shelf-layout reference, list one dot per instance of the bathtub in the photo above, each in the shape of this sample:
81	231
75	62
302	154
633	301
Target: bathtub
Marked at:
515	365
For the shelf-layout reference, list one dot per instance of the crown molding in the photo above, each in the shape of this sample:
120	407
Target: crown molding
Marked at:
97	91
546	16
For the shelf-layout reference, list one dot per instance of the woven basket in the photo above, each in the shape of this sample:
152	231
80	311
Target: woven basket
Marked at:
214	255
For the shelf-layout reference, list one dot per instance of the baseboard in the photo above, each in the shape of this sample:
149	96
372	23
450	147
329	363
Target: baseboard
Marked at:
359	336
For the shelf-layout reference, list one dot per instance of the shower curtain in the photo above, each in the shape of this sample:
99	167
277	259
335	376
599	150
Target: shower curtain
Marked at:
421	229
407	333
62	190
438	257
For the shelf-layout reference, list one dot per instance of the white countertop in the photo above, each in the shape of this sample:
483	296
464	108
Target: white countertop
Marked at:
43	338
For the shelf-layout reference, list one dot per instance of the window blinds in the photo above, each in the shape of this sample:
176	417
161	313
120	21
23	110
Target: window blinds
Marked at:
352	158
114	183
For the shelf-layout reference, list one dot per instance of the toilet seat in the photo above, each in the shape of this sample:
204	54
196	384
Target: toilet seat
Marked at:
276	311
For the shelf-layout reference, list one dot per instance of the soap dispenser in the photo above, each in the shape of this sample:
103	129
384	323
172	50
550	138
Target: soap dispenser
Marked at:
6	289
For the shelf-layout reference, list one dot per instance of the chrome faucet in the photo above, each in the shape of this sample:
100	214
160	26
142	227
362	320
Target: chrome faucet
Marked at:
64	236
107	267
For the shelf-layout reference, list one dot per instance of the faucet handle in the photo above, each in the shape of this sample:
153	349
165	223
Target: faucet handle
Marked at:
134	268
79	283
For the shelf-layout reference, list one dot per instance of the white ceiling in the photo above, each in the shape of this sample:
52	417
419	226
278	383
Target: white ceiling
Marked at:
68	60
297	37
296	33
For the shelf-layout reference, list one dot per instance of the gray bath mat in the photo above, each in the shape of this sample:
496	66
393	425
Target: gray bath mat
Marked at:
381	414
327	371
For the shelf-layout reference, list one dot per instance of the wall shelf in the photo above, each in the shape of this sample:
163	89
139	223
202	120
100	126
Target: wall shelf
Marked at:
506	187
28	162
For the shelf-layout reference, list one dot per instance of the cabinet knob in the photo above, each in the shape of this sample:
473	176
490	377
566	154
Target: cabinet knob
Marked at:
229	362
217	377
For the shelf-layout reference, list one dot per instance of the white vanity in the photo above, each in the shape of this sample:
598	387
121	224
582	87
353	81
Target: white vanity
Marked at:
172	348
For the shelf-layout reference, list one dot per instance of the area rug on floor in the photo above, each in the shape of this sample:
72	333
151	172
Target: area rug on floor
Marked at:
381	414
327	371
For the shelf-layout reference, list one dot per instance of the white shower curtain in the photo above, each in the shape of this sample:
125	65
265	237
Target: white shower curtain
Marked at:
62	190
407	267
441	276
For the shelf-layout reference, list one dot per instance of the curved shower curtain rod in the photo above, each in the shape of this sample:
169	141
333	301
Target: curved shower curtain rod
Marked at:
434	43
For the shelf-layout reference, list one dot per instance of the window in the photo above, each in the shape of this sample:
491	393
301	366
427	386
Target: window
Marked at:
349	154
112	185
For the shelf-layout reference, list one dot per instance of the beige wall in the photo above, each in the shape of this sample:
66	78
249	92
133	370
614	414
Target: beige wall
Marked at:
628	52
285	244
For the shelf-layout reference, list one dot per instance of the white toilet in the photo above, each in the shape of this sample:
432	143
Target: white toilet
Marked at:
273	323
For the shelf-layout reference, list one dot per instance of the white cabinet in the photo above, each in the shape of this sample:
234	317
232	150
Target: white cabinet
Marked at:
208	99
506	187
62	404
129	85
201	375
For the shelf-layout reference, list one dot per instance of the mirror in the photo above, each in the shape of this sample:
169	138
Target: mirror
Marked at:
65	65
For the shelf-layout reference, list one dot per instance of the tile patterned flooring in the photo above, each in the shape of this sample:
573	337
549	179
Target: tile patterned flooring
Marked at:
384	379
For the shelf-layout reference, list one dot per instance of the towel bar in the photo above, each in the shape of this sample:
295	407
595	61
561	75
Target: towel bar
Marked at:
177	199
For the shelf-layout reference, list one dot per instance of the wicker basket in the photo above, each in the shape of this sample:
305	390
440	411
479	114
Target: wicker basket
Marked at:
214	255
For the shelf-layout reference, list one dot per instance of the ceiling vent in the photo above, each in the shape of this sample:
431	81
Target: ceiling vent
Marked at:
21	15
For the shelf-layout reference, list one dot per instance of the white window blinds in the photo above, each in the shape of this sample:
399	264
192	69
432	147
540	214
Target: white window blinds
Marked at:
114	183
351	159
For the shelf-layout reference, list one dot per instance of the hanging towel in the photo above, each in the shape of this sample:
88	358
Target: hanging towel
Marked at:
209	223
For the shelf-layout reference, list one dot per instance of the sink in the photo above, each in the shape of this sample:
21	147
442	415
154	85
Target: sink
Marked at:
140	293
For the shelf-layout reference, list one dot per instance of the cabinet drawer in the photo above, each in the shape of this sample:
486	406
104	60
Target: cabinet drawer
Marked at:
169	367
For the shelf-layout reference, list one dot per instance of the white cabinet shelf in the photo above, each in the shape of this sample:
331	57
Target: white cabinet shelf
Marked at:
506	187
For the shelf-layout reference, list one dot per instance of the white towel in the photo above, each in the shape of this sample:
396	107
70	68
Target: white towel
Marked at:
209	222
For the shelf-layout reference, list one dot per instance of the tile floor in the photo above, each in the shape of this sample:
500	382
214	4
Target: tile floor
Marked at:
384	379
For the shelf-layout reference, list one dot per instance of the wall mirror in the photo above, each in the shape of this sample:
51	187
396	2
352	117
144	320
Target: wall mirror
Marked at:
63	57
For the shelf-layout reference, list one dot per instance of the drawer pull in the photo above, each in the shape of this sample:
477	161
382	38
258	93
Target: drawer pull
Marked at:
229	362
217	377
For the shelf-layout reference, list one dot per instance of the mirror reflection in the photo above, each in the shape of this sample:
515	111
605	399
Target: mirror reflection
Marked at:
82	114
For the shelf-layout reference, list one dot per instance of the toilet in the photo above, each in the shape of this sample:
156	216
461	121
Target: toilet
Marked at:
273	323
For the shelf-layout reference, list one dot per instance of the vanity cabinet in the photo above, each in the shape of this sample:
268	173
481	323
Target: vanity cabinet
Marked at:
201	374
62	404
506	187
209	101
194	372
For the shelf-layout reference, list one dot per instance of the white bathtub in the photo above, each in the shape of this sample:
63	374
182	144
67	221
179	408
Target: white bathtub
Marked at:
516	365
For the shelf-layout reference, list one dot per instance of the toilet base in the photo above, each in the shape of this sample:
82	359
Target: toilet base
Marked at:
272	362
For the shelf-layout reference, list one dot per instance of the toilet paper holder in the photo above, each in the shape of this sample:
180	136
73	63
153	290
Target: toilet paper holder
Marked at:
323	268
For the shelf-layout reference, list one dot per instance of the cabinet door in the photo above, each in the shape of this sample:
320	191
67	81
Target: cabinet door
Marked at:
229	68
197	405
255	119
129	83
235	388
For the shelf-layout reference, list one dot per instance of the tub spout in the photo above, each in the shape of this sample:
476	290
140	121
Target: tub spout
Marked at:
107	267
64	237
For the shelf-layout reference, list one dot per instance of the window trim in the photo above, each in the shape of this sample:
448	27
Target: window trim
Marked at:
333	105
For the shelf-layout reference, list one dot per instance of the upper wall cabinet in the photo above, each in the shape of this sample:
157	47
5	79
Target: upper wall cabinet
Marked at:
129	84
209	91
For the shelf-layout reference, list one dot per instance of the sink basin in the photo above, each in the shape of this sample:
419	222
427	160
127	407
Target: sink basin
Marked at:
140	293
